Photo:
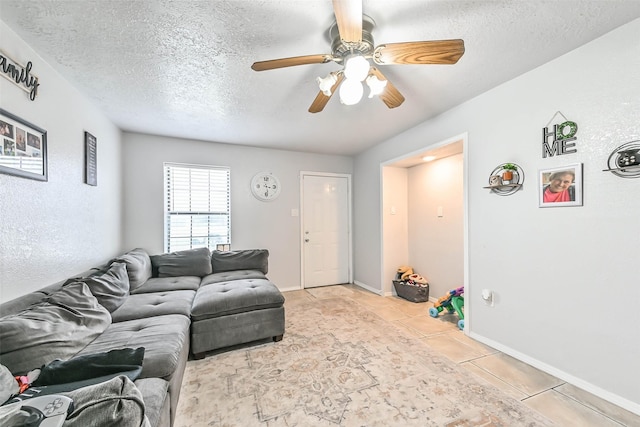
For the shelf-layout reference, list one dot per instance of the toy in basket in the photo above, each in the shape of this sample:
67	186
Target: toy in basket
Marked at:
411	286
453	301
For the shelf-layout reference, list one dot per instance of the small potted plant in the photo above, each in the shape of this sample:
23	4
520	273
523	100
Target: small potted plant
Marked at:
507	172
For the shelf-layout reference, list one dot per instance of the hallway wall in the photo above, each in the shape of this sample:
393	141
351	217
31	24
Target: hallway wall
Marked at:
436	243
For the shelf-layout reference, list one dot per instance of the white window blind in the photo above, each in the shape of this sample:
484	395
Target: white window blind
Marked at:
197	206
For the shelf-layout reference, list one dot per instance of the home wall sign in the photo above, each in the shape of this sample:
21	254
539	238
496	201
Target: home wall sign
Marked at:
20	75
559	141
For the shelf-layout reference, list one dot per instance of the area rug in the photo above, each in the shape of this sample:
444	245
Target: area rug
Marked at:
341	365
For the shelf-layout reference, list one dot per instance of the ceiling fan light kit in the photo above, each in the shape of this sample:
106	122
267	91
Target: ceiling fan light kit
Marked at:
351	92
352	46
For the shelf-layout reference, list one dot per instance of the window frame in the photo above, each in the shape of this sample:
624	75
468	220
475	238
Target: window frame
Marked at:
170	198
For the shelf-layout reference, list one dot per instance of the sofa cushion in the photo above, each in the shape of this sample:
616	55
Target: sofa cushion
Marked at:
166	284
192	262
238	296
246	259
154	304
228	276
110	287
154	393
138	266
116	402
163	337
56	328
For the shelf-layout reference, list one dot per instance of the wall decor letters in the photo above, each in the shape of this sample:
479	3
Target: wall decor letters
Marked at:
19	75
559	141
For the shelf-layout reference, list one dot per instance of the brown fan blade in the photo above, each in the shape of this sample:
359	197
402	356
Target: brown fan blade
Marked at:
427	52
390	96
290	62
349	19
321	100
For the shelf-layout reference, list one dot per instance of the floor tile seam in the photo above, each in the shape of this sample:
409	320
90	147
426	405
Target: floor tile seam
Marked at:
502	379
472	359
591	407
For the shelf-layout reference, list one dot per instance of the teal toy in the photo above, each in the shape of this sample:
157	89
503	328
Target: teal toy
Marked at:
453	302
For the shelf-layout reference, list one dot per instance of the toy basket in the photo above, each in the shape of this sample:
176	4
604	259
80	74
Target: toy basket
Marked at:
410	292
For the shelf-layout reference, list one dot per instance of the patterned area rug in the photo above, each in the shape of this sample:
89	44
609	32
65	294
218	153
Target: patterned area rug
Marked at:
341	365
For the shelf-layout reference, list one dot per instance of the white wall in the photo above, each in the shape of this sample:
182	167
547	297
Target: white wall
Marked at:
566	291
395	216
254	224
51	230
436	244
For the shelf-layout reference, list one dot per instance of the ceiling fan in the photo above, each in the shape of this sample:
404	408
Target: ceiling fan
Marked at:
352	46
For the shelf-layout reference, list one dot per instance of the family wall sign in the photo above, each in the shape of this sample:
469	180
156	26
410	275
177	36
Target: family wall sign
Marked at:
19	75
561	139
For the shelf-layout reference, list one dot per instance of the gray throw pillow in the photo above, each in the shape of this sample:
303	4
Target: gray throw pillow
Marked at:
57	328
8	384
110	287
138	266
116	402
191	262
246	259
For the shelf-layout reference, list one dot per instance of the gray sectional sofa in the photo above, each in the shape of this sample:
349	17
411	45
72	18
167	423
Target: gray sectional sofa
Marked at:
173	304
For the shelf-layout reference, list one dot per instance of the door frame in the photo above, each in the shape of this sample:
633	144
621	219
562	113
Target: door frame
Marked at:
349	220
386	287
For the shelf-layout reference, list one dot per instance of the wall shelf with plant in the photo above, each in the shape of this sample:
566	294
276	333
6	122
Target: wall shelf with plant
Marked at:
624	161
506	179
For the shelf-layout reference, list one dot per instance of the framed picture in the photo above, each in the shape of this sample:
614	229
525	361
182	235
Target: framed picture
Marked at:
560	186
23	148
90	159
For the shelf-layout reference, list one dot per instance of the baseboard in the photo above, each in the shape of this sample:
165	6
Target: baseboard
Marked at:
369	288
290	288
575	381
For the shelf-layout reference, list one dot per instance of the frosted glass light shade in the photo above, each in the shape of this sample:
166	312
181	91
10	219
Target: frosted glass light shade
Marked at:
327	83
356	68
376	85
351	91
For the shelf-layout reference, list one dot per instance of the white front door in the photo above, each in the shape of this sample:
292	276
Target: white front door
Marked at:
325	230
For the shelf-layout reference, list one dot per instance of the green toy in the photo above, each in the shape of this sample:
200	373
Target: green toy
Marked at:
453	301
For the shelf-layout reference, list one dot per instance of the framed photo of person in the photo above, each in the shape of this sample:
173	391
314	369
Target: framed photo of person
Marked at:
560	186
23	148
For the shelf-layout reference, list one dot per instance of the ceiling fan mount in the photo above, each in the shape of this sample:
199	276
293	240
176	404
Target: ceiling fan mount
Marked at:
352	46
340	49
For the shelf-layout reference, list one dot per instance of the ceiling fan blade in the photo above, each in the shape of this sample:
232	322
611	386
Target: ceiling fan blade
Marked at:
349	19
427	52
290	62
390	96
321	100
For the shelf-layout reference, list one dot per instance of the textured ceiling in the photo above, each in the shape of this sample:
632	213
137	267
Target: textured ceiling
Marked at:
182	68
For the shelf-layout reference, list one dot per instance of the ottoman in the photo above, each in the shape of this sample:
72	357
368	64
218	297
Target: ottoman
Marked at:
235	312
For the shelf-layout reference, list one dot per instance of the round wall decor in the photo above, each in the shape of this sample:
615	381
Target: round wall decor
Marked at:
265	186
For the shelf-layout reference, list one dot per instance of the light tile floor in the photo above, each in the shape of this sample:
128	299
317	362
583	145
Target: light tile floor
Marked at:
562	403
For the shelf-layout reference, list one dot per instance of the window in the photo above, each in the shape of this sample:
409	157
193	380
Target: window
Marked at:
197	207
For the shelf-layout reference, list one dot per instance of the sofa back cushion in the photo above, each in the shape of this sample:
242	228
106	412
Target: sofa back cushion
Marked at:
191	262
246	259
138	266
110	287
56	328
